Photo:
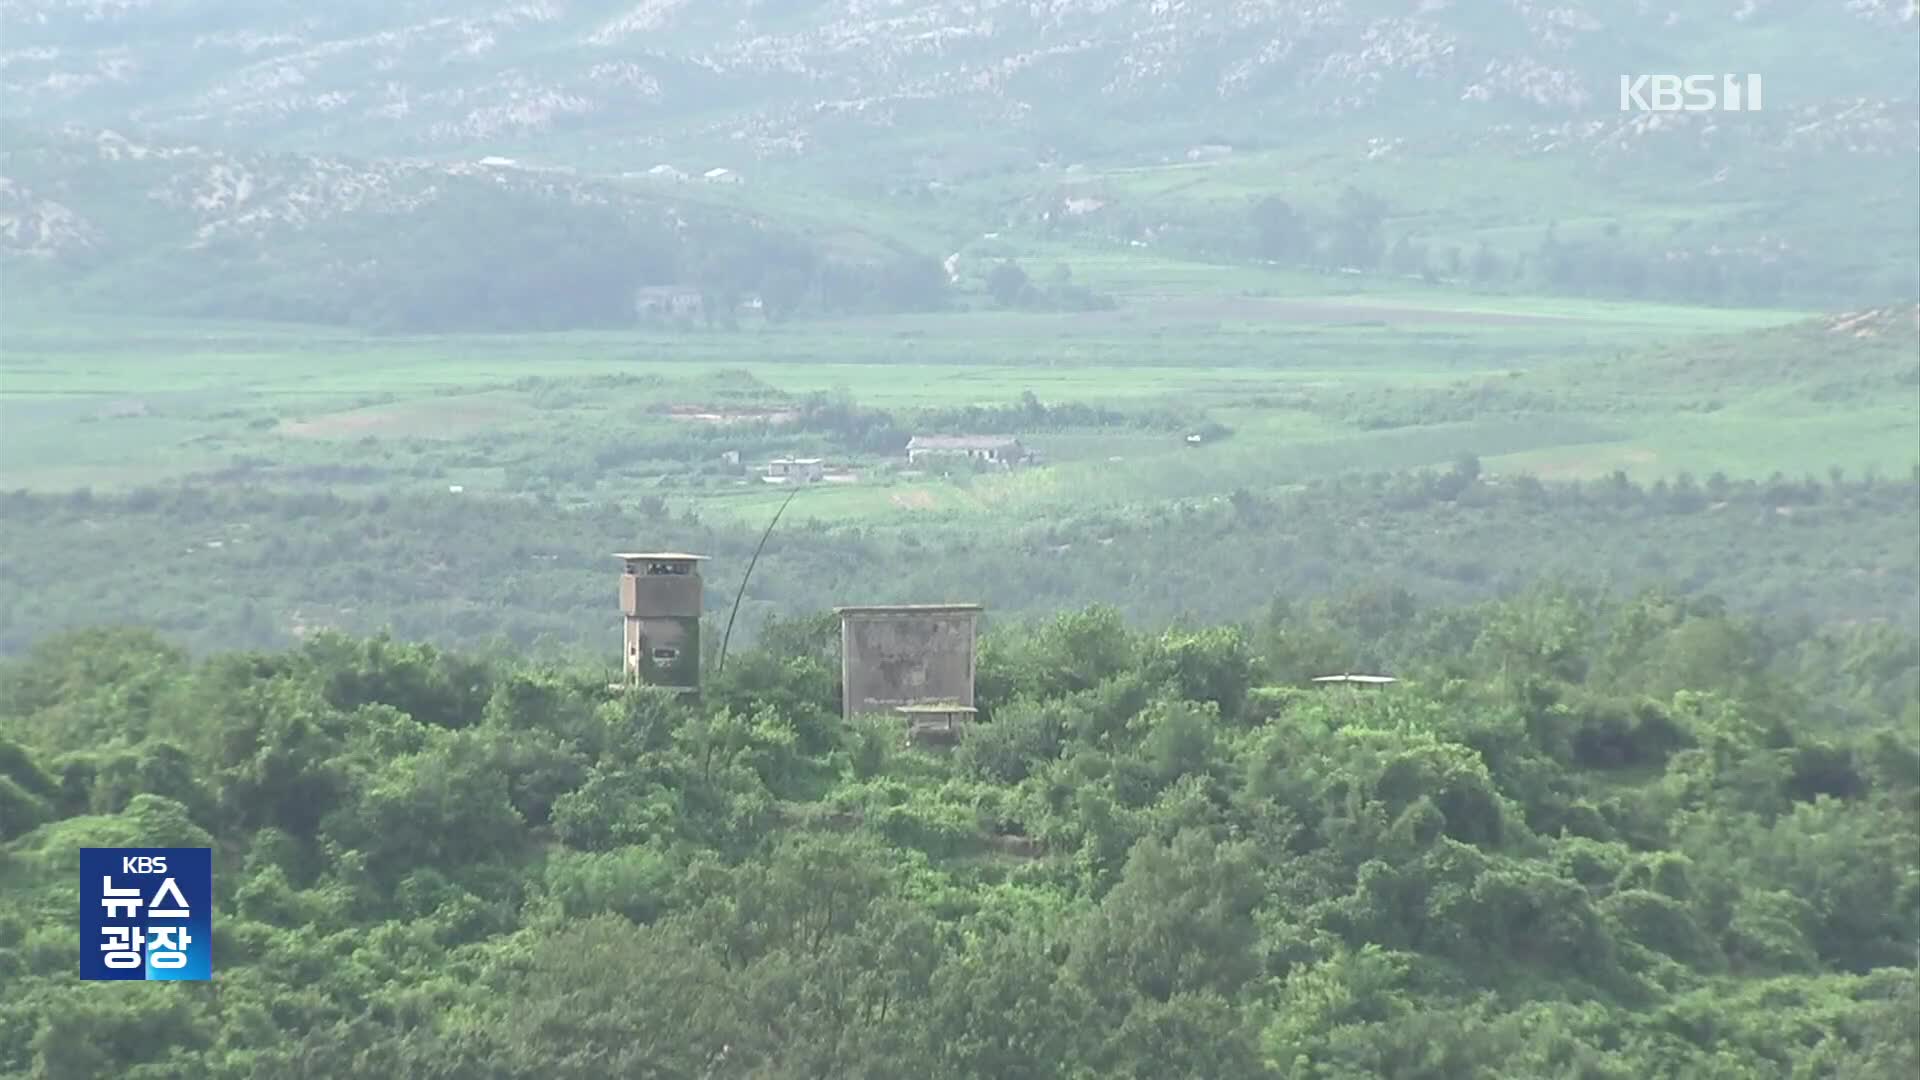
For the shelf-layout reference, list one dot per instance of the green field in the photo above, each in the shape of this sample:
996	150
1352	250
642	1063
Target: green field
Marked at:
1366	438
1298	379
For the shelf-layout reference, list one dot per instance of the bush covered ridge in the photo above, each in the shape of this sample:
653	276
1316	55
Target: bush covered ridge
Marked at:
1836	552
1584	837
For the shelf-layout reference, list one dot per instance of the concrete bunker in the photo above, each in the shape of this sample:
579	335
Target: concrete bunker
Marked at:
905	655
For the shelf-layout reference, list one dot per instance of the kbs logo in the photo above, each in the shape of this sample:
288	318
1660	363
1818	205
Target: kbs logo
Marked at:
1689	93
146	913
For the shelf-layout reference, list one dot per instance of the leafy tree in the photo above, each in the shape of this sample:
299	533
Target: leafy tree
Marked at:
1007	284
1179	921
1278	232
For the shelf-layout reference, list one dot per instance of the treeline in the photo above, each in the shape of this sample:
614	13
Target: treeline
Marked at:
1009	287
1357	233
1031	415
835	422
858	427
238	565
1684	494
482	256
1575	840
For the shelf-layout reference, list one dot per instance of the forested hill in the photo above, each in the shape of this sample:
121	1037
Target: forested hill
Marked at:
251	567
1598	841
410	245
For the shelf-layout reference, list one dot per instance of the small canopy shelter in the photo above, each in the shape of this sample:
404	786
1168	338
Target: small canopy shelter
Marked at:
939	721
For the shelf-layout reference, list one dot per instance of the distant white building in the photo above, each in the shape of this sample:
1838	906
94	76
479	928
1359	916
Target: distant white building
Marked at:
720	176
664	171
667	302
999	449
795	470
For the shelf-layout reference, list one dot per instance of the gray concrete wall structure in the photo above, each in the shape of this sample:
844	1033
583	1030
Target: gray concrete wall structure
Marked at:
906	654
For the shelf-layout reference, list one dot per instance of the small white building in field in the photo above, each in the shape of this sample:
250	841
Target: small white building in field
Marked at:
667	302
795	470
998	449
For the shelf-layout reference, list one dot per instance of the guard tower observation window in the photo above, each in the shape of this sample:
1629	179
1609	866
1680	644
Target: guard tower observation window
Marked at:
659	568
666	654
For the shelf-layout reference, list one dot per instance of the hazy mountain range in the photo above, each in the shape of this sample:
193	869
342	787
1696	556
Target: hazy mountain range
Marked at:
151	130
780	75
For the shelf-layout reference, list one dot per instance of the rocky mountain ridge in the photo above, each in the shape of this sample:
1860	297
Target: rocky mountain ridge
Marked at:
192	139
196	198
780	75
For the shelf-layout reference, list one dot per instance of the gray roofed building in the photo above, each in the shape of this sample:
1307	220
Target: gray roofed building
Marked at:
667	301
787	470
1004	449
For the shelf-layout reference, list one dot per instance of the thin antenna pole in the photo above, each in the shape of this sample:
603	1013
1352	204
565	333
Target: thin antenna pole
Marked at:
720	663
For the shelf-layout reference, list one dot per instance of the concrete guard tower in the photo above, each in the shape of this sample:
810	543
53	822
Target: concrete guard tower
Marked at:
661	597
907	654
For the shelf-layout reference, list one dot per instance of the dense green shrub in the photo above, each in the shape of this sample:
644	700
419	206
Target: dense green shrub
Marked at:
1556	848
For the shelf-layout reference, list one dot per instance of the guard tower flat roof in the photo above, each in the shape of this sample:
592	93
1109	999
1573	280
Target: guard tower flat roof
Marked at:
1356	678
906	609
935	708
664	556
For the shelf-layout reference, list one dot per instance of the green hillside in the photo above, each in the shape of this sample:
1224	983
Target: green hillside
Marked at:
1598	840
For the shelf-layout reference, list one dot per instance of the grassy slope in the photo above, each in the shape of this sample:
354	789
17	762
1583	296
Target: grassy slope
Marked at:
1312	384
